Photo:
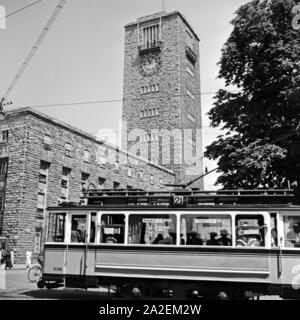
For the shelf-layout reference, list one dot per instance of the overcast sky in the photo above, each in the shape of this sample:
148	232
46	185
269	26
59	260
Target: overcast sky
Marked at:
81	59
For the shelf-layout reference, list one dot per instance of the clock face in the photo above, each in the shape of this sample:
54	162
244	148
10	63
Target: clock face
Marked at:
150	64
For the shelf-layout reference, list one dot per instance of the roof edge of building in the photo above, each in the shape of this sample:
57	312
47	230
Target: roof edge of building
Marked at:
68	127
163	14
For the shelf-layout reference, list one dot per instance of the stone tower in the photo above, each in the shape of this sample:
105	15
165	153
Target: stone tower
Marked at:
162	103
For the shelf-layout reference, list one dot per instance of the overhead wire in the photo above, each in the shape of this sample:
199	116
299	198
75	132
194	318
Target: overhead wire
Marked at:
21	9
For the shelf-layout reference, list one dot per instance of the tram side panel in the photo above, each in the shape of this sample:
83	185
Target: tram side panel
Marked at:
190	264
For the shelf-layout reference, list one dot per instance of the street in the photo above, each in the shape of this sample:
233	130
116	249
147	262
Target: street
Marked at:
19	288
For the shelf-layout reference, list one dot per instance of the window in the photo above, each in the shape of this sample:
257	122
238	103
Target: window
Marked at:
151	179
129	187
86	155
84	182
47	142
3	166
42	186
37	242
129	172
117	166
191	117
152	229
93	228
4	136
56	227
65	181
116	185
205	230
112	228
190	71
41	200
68	149
78	231
141	174
190	94
250	231
161	181
291	231
101	182
151	34
1	203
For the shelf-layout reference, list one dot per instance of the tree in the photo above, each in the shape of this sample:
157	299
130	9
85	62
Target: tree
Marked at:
261	59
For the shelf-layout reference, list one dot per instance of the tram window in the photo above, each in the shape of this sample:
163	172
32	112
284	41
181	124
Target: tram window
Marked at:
112	228
292	231
250	231
152	229
93	228
56	227
78	232
210	230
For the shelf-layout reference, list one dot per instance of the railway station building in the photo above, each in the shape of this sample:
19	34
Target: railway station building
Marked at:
44	161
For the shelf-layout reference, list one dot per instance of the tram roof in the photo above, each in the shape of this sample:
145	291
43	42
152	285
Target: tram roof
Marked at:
181	198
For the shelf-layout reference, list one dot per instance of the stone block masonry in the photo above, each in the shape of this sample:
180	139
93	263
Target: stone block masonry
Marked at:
38	148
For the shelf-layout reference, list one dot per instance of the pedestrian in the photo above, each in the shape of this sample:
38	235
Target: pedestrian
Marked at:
28	259
12	257
8	264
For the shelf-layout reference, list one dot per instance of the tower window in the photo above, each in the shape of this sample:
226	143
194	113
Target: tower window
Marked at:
190	94
151	35
86	155
191	117
190	71
101	182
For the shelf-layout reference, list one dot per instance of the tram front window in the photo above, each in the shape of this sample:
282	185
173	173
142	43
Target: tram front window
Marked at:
292	231
56	227
152	229
250	231
78	231
112	228
210	230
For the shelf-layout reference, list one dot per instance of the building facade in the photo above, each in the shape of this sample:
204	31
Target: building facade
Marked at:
44	161
162	105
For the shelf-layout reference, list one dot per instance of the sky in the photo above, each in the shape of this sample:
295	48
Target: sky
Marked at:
81	58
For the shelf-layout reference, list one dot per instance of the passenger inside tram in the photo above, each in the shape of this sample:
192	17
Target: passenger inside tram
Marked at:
212	241
158	238
110	239
76	235
170	239
194	239
224	240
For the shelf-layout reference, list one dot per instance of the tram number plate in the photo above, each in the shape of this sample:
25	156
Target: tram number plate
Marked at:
178	200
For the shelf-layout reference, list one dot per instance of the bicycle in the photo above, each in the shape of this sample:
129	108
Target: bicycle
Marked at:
34	273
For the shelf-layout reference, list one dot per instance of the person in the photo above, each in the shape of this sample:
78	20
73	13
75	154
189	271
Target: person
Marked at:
274	238
110	239
75	233
224	240
158	238
8	264
194	239
212	241
12	257
182	241
169	239
254	241
28	259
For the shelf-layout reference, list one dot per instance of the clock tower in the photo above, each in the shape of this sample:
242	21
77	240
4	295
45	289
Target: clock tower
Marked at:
162	104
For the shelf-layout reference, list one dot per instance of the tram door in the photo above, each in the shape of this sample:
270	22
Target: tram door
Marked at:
76	254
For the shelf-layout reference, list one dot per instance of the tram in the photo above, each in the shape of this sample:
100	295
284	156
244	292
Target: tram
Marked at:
180	244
